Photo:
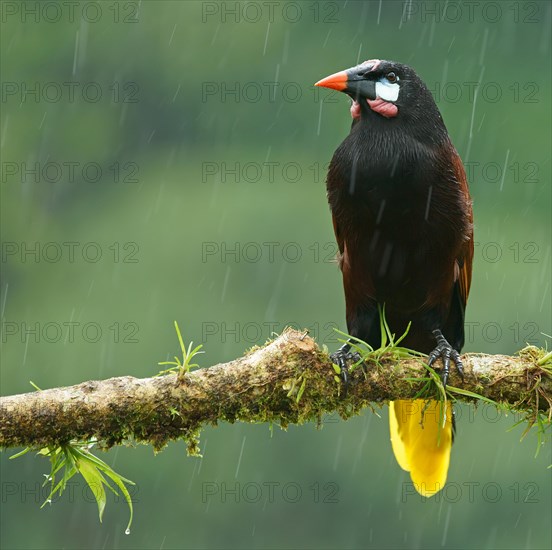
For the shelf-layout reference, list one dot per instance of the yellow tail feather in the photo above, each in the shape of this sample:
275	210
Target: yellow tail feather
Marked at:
421	436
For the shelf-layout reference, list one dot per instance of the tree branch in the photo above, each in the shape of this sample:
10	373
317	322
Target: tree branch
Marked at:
287	381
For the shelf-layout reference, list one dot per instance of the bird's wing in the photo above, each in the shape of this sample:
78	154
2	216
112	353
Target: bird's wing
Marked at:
465	258
338	235
465	270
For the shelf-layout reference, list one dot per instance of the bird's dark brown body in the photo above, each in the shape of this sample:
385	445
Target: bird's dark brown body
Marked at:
403	221
403	225
402	217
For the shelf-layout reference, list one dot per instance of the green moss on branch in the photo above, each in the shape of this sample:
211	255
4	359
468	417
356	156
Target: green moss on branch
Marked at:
287	381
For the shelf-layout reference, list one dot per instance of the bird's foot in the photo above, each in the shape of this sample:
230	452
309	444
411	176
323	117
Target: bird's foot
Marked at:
342	357
447	353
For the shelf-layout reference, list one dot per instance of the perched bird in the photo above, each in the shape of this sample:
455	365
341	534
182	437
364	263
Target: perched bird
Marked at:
403	222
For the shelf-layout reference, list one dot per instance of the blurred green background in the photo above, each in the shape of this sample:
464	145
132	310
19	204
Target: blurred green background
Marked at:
166	161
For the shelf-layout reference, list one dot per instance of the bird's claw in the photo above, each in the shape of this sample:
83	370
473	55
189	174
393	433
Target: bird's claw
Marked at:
447	353
342	357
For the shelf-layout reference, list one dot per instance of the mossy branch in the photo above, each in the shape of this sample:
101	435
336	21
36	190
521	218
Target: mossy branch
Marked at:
290	380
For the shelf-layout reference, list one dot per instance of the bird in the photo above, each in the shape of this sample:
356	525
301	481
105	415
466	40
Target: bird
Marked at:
403	221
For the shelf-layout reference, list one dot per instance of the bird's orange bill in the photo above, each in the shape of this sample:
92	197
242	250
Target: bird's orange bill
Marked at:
336	81
421	436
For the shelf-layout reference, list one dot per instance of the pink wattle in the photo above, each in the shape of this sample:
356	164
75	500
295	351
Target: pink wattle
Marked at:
355	109
384	108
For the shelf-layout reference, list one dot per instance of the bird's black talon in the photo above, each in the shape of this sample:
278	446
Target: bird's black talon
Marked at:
345	377
447	353
455	356
446	371
341	358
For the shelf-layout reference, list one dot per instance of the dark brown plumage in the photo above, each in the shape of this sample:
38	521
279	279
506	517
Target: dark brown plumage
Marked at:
403	221
402	217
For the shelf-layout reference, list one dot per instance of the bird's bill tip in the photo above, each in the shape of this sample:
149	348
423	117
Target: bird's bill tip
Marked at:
336	81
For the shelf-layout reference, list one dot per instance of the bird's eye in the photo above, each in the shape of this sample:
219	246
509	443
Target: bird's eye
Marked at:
391	77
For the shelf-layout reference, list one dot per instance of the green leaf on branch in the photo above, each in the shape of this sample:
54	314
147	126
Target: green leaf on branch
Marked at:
76	458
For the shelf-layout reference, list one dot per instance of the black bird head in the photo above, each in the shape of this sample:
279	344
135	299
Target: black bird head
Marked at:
387	90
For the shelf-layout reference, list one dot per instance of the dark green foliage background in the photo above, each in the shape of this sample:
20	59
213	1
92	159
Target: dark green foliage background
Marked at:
171	52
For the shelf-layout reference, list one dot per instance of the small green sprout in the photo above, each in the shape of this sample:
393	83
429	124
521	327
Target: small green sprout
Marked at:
301	390
185	365
389	345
